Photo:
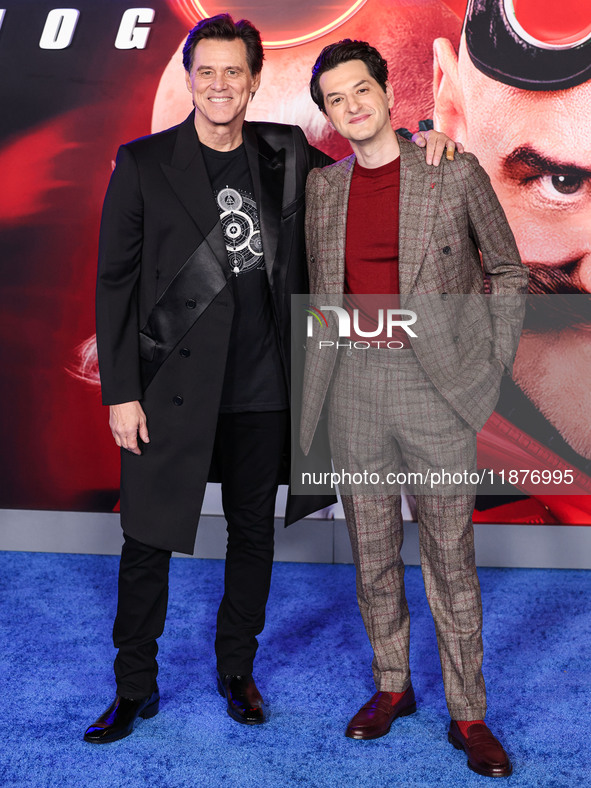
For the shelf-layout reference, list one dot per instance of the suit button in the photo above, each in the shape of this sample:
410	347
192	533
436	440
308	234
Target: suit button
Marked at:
444	296
312	258
456	340
190	303
446	250
178	400
184	352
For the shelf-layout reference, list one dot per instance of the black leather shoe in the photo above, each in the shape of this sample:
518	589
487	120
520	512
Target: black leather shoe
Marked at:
245	703
118	720
485	753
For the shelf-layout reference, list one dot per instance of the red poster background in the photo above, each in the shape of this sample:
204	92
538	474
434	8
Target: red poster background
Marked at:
65	113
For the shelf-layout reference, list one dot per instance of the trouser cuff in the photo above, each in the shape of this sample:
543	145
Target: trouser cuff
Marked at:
390	684
466	715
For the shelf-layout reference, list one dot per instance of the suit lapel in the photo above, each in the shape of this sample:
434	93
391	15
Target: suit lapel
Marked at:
420	187
267	168
335	223
188	178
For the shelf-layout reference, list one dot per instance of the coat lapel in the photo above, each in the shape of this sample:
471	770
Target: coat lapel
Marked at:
204	274
420	187
267	168
189	180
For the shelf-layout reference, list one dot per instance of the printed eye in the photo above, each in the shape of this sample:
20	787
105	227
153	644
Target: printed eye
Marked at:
565	189
335	101
565	184
559	187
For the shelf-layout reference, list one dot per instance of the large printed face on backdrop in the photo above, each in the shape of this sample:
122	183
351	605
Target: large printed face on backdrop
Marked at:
533	141
536	148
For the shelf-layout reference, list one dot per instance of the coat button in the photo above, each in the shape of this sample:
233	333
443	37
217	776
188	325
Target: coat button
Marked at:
444	296
456	340
190	303
349	352
312	258
184	352
178	400
446	250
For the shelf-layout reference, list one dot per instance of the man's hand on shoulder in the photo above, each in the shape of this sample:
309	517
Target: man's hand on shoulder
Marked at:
126	421
436	142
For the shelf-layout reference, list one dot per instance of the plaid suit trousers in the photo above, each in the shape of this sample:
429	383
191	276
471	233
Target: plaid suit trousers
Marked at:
386	416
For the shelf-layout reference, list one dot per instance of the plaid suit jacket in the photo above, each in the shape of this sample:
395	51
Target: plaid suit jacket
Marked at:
452	229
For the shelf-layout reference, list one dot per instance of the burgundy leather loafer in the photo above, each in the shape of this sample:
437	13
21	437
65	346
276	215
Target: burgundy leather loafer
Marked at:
375	718
486	755
245	703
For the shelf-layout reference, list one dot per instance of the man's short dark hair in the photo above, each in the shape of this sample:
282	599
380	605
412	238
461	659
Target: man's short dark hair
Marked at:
223	28
341	52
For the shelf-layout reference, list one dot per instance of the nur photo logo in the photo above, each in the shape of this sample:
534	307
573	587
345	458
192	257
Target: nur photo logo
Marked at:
385	323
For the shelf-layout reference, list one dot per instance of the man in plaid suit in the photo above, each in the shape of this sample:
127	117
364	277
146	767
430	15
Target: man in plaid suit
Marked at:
381	222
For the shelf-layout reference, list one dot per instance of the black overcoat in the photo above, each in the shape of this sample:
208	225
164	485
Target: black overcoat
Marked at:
164	312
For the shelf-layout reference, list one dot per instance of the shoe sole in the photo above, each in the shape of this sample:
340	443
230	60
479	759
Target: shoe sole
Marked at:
405	713
485	773
149	712
235	715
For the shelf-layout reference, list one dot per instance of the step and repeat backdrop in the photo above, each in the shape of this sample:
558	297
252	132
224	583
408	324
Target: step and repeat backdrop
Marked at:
510	79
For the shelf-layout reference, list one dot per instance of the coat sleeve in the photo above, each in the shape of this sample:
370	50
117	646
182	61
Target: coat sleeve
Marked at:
500	259
120	253
316	158
312	214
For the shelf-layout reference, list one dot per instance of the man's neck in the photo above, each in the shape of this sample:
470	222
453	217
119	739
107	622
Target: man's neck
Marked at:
222	138
377	152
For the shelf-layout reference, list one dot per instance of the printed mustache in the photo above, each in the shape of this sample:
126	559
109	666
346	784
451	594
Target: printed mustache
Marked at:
562	310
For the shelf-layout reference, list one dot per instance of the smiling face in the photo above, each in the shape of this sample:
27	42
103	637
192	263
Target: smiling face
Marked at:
536	148
355	104
221	85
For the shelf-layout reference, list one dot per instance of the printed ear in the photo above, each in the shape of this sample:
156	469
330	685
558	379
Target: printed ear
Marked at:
449	115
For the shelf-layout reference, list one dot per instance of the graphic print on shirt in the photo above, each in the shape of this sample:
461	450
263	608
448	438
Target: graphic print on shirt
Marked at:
242	232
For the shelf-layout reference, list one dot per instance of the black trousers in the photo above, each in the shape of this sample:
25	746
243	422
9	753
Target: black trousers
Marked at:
249	448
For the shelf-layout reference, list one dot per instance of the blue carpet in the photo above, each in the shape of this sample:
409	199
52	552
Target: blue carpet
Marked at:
314	668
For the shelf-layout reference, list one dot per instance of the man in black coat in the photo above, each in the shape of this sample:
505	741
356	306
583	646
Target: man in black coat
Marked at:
201	248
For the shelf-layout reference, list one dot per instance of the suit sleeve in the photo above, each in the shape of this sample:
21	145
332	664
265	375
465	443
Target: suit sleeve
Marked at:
120	252
500	260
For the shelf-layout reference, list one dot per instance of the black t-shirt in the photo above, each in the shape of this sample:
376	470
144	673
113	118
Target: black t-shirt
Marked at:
254	379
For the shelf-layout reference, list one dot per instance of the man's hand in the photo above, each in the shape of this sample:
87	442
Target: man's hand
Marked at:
437	142
126	421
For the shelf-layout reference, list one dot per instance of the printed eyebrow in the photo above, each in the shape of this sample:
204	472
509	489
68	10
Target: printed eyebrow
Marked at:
339	92
525	160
